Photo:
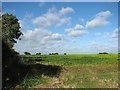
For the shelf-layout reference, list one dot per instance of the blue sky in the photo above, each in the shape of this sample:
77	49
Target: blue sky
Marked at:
74	28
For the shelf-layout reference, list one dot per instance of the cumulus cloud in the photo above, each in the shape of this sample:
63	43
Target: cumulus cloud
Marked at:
107	34
112	40
55	36
75	32
78	26
38	38
99	20
53	18
66	10
115	33
40	34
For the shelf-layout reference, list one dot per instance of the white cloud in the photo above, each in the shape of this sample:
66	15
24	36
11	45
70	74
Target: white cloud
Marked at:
74	41
66	10
22	23
72	32
55	36
92	43
40	34
104	14
107	34
99	20
78	26
105	45
38	39
53	18
115	33
82	19
76	33
113	40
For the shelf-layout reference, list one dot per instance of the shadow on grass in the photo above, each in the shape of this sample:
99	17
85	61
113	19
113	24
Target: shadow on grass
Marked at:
49	70
32	59
16	71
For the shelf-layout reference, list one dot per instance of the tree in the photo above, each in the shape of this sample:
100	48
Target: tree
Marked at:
105	53
64	53
55	53
27	53
38	53
10	33
0	24
10	29
100	53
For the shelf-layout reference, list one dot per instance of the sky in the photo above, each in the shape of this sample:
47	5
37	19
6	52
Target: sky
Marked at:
60	0
66	27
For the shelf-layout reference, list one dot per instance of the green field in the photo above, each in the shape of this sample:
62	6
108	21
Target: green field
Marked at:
70	71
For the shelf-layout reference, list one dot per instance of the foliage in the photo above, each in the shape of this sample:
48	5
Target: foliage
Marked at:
27	53
11	67
38	53
53	54
10	29
65	54
103	53
10	61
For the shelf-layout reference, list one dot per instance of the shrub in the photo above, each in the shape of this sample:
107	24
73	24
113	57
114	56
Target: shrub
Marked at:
65	54
103	53
27	53
38	53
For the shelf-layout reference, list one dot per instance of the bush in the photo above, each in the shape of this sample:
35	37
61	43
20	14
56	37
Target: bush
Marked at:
38	53
65	54
27	53
53	54
12	69
103	53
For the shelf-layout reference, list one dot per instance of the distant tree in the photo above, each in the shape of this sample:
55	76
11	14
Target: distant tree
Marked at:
27	53
100	53
105	53
65	54
55	53
38	53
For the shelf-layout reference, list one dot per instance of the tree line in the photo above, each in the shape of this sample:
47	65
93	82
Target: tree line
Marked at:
28	53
